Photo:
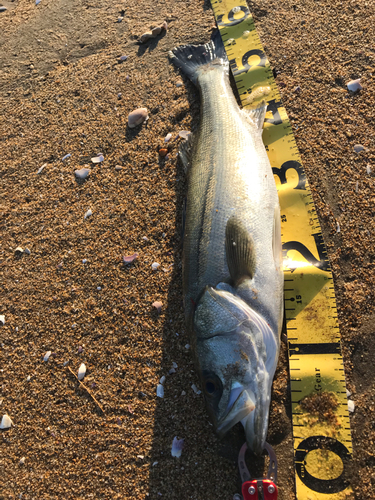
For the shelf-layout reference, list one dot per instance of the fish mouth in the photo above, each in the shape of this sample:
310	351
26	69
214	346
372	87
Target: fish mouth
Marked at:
242	407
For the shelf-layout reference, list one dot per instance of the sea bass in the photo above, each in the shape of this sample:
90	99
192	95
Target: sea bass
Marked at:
232	258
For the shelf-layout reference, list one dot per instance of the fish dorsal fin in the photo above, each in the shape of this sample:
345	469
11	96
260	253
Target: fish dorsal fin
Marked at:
185	152
276	239
256	115
239	246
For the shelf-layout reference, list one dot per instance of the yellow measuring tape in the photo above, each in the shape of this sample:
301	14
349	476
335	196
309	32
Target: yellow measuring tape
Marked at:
321	428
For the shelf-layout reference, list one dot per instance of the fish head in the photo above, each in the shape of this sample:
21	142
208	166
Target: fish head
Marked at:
237	355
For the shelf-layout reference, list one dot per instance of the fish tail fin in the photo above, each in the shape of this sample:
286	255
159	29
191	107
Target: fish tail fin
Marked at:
189	58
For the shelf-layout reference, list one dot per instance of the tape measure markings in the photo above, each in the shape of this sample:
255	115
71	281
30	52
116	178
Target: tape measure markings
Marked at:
314	348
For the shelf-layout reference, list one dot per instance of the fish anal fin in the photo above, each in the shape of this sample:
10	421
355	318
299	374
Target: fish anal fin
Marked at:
240	253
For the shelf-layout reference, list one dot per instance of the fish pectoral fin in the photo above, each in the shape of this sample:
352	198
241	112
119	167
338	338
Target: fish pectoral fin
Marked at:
240	253
185	153
256	115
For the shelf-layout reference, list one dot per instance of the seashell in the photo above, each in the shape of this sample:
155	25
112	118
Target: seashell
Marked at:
6	422
179	83
160	391
84	261
88	213
41	168
162	380
358	148
368	169
158	305
184	134
177	447
130	258
3	9
121	59
18	250
27	251
2	319
137	117
351	405
66	157
82	173
338	230
97	159
47	355
168	137
354	85
81	372
155	265
22	461
141	457
118	168
28	378
195	389
144	238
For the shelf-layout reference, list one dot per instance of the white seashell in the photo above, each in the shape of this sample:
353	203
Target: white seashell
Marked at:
184	134
22	461
88	213
144	238
28	378
160	391
354	85
46	356
155	265
162	380
82	173
177	446
82	371
2	319
18	250
41	168
168	137
358	148
137	117
84	261
368	169
6	422
338	227
141	457
195	389
97	159
351	405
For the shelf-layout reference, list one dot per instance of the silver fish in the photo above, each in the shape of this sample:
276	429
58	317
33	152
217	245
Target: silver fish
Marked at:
232	258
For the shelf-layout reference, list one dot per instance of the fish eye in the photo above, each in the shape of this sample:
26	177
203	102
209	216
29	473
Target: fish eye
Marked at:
210	386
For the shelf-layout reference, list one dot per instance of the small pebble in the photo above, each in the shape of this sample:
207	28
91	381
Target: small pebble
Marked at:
177	447
358	148
118	167
144	238
351	405
163	152
137	117
368	169
155	265
184	134
41	168
47	355
183	393
160	391
119	19
27	251
3	9
28	379
2	319
297	89
121	59
354	85
195	389
84	261
175	366
22	461
168	137
82	371
187	346
66	157
80	349
37	2
155	463
179	83
337	227
82	173
130	258
348	393
162	380
158	305
99	288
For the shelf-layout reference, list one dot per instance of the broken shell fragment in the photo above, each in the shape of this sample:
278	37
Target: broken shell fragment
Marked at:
22	461
88	213
195	389
358	148
354	85
18	250
2	320
137	117
47	355
177	447
160	391
82	173
162	380
6	422
153	33
168	137
97	159
351	405
41	168
158	305
130	258
81	372
184	134
66	157
121	59
368	169
155	265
